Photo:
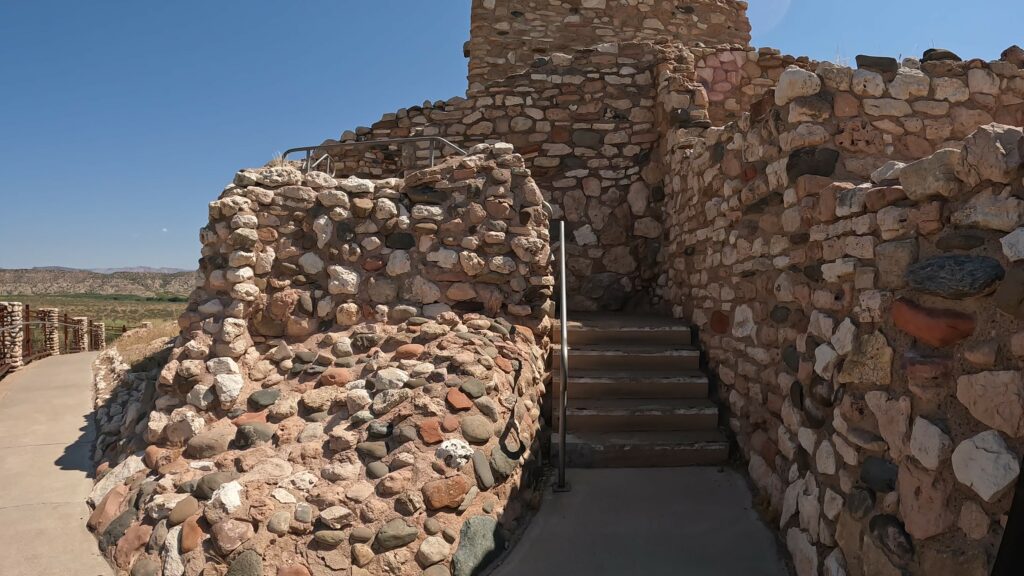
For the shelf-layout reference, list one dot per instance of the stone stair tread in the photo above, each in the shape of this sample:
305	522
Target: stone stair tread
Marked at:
650	438
629	349
624	321
640	407
619	320
681	376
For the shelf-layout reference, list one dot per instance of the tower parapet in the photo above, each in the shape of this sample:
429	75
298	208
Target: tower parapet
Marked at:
508	35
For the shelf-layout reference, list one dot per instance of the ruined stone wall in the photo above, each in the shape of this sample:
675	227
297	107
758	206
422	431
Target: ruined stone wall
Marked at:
864	317
509	36
589	127
357	384
735	78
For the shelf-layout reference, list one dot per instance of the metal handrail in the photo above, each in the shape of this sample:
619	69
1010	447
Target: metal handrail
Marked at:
309	164
562	485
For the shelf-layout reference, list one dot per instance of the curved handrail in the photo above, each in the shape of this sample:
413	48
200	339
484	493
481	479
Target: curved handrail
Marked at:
310	164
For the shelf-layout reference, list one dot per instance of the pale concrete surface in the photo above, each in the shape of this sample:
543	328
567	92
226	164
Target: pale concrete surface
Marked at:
45	439
650	522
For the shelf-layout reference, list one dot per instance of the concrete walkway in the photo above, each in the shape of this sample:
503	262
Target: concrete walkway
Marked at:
650	522
45	440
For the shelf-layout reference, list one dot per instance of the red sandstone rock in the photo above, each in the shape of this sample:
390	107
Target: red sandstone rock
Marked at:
131	544
504	364
408	351
251	418
719	322
430	431
458	400
154	456
373	264
933	326
191	535
108	509
337	376
445	493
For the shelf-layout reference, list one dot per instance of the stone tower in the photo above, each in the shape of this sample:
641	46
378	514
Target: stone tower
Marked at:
508	35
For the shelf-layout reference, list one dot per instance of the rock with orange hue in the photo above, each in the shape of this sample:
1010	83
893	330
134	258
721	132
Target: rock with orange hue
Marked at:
458	400
292	570
504	364
135	537
191	535
934	326
336	376
446	492
430	431
251	418
408	352
154	456
108	509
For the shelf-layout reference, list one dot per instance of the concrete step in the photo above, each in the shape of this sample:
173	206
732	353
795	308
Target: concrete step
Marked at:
629	415
643	449
624	329
627	357
632	384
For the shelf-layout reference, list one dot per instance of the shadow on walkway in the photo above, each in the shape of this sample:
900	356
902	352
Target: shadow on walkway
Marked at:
655	522
46	440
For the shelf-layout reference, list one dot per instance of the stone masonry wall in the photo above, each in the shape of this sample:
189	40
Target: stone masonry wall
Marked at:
508	36
588	126
12	334
863	315
357	385
735	78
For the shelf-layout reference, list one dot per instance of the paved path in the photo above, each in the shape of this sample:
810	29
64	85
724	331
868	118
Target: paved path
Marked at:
45	440
650	522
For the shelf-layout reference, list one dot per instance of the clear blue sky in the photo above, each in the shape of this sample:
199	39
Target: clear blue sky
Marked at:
121	119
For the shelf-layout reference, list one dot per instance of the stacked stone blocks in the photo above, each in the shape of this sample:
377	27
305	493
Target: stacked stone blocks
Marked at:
863	313
12	334
357	386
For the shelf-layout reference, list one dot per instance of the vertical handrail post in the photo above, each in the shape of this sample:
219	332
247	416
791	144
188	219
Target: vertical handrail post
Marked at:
26	348
563	325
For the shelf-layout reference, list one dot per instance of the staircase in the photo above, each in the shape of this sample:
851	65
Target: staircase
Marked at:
637	397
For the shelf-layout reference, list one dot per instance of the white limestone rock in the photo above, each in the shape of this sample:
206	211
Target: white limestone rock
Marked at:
985	464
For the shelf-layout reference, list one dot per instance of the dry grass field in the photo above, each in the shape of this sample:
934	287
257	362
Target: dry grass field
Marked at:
114	310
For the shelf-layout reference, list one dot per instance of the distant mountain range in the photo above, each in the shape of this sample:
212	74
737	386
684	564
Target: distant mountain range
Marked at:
135	281
143	269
